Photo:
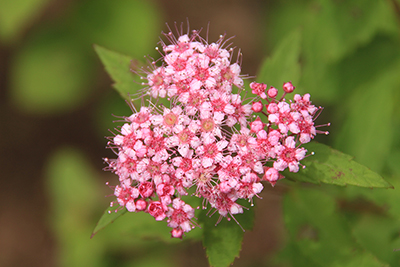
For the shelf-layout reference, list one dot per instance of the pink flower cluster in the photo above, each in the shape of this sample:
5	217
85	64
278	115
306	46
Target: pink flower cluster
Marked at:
205	144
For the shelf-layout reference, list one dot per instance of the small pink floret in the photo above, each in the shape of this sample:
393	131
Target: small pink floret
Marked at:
272	108
257	106
272	92
177	233
157	210
256	125
259	89
141	204
288	87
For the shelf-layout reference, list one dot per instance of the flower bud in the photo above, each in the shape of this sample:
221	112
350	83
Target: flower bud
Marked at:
272	108
257	125
288	87
141	204
257	106
177	233
272	92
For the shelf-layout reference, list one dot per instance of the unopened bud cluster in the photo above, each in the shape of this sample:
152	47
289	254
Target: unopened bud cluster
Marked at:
207	140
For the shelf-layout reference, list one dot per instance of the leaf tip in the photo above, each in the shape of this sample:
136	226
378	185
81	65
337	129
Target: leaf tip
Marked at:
92	235
390	186
97	47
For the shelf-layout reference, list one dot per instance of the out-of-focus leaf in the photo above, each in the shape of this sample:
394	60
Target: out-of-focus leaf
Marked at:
283	65
334	167
292	256
108	110
334	29
70	175
223	242
388	200
365	65
131	27
109	216
380	235
75	198
50	75
74	195
119	67
15	15
368	129
331	30
319	233
374	215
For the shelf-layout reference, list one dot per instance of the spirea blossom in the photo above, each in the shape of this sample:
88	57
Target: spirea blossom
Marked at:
207	143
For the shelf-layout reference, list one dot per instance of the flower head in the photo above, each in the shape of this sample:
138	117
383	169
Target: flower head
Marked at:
206	138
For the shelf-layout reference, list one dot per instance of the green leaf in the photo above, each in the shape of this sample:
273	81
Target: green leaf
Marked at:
50	74
319	234
355	70
109	216
380	235
75	195
223	242
387	201
333	29
334	167
131	27
330	31
14	15
368	131
139	226
283	65
119	68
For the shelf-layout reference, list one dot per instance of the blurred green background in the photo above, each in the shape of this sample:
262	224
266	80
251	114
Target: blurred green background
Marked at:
57	104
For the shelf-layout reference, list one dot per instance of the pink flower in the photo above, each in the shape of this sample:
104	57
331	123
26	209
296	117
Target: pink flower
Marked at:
141	205
257	125
271	175
225	204
243	142
257	106
146	189
288	87
211	153
285	118
259	89
205	136
158	82
164	192
180	215
249	186
242	111
272	92
141	119
126	197
289	155
177	233
157	210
